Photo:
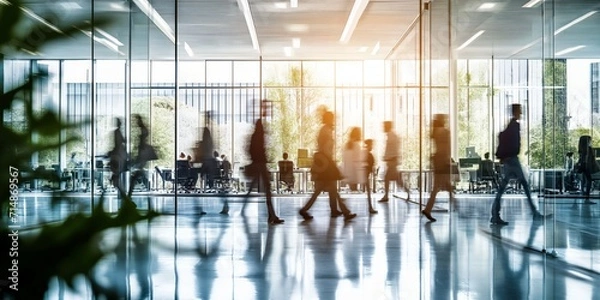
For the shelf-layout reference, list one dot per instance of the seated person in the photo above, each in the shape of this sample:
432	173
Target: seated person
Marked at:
286	172
186	176
487	170
226	168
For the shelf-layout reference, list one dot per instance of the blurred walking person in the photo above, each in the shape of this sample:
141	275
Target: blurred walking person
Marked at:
260	172
509	147
391	157
441	162
325	172
369	166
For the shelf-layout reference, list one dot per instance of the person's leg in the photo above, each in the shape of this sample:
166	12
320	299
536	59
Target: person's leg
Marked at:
265	176
225	209
338	200
335	197
368	188
318	190
386	189
331	188
402	184
525	184
501	188
587	186
587	183
446	180
387	178
436	188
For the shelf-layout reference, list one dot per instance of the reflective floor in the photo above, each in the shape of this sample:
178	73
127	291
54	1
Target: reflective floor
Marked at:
395	254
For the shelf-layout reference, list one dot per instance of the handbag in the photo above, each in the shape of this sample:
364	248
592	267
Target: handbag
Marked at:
148	153
324	169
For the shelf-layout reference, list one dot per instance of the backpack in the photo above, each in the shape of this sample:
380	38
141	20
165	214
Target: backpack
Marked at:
502	149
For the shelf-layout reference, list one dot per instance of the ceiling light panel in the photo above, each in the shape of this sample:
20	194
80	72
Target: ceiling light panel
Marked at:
532	3
572	23
569	50
470	40
486	6
355	14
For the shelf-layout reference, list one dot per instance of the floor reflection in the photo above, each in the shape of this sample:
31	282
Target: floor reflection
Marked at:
193	251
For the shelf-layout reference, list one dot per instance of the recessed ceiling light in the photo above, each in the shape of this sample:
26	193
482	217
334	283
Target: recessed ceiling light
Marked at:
297	27
287	51
363	49
487	6
281	5
293	3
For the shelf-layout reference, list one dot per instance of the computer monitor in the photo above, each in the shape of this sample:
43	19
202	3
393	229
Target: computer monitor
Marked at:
302	153
303	160
470	152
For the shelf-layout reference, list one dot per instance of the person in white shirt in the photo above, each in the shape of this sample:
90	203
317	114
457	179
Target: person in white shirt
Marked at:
391	157
352	160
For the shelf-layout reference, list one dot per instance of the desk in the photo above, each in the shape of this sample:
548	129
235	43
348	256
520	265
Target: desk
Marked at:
551	179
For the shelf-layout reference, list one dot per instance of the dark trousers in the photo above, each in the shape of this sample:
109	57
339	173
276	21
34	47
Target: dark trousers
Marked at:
511	168
334	197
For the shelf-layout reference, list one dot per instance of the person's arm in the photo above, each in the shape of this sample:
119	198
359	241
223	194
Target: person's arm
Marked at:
514	138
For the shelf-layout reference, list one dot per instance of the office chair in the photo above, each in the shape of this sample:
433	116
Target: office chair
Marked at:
486	176
166	175
186	179
223	177
286	175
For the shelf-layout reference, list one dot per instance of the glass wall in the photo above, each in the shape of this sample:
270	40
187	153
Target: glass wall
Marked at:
177	95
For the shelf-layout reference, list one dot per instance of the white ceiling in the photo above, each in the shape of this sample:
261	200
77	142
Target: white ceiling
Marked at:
216	29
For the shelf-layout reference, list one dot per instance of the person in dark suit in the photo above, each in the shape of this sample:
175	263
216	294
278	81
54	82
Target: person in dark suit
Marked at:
118	156
369	166
587	165
261	174
510	143
145	154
